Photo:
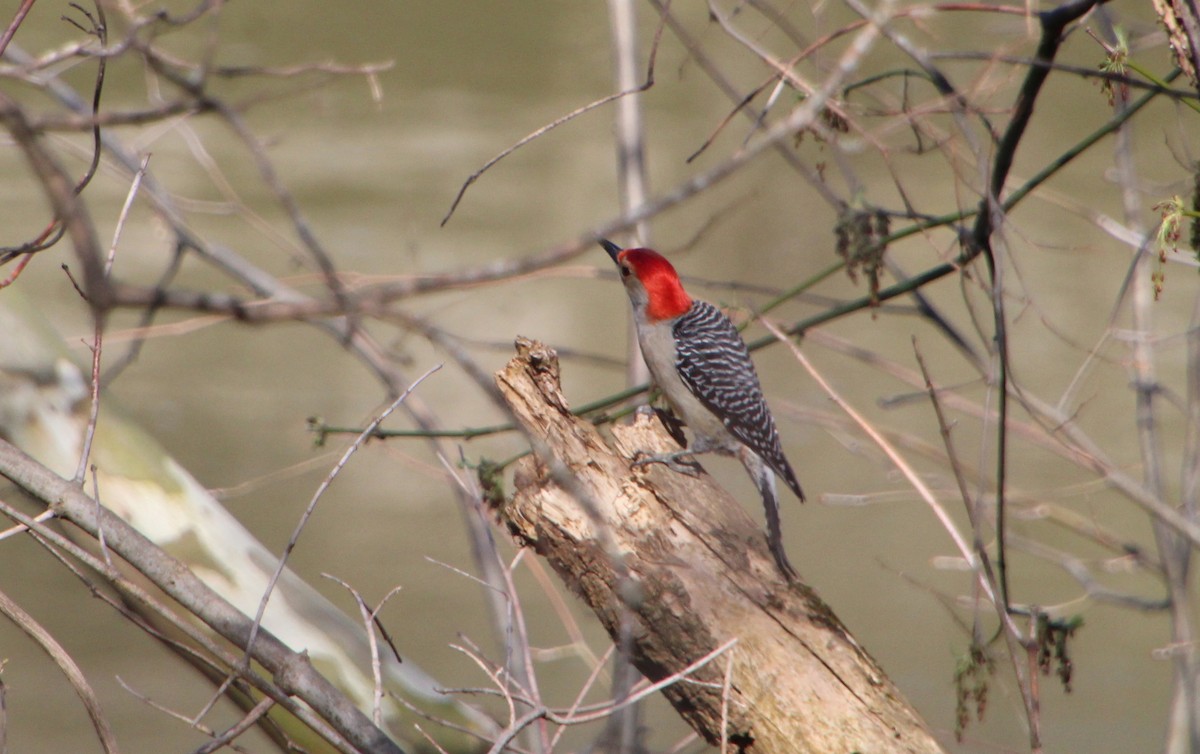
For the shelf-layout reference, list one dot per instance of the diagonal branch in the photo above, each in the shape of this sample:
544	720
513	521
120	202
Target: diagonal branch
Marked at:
293	673
694	573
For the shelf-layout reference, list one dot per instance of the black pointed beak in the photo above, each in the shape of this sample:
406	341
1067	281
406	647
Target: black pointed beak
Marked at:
612	249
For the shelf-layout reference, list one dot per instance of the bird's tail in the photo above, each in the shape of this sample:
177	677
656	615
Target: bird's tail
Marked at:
764	480
784	470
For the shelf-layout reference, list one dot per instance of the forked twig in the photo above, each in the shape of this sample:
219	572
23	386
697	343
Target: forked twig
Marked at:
370	619
576	719
308	511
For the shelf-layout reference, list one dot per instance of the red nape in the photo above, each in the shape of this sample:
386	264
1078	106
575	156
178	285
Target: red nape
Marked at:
667	297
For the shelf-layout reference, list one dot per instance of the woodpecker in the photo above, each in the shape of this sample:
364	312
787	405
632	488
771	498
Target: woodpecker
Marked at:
704	370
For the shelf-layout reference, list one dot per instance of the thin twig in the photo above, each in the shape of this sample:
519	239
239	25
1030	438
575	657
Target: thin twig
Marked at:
369	617
726	685
584	690
645	85
250	718
22	528
124	215
910	474
172	713
565	719
89	433
312	504
11	29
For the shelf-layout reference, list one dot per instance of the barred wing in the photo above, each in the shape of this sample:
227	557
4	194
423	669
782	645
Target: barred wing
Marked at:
714	363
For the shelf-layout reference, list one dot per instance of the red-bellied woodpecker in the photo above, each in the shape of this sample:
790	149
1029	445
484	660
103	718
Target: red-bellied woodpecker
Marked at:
703	368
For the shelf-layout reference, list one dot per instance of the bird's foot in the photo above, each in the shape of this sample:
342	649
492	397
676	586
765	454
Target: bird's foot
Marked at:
672	461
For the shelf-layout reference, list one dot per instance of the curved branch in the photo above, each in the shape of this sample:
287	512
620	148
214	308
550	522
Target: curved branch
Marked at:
91	703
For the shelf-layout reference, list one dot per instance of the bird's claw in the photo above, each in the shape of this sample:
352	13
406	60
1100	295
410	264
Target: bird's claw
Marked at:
672	461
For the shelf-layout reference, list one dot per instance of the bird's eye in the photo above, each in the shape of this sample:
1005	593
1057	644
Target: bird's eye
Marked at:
625	271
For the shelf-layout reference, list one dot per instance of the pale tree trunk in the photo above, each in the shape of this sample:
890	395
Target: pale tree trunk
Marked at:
694	574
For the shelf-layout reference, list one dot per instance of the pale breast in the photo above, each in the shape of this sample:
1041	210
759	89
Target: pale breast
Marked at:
658	348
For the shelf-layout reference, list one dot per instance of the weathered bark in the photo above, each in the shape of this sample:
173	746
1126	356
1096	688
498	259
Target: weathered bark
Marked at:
695	573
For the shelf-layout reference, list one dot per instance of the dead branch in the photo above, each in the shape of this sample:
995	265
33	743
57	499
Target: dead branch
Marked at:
695	574
292	671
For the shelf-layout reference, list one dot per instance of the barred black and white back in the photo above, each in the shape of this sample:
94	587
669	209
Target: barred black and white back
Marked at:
712	360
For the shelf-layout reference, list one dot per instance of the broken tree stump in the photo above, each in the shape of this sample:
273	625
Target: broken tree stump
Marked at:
683	561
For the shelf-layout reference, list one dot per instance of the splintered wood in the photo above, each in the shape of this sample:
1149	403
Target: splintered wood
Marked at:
682	561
